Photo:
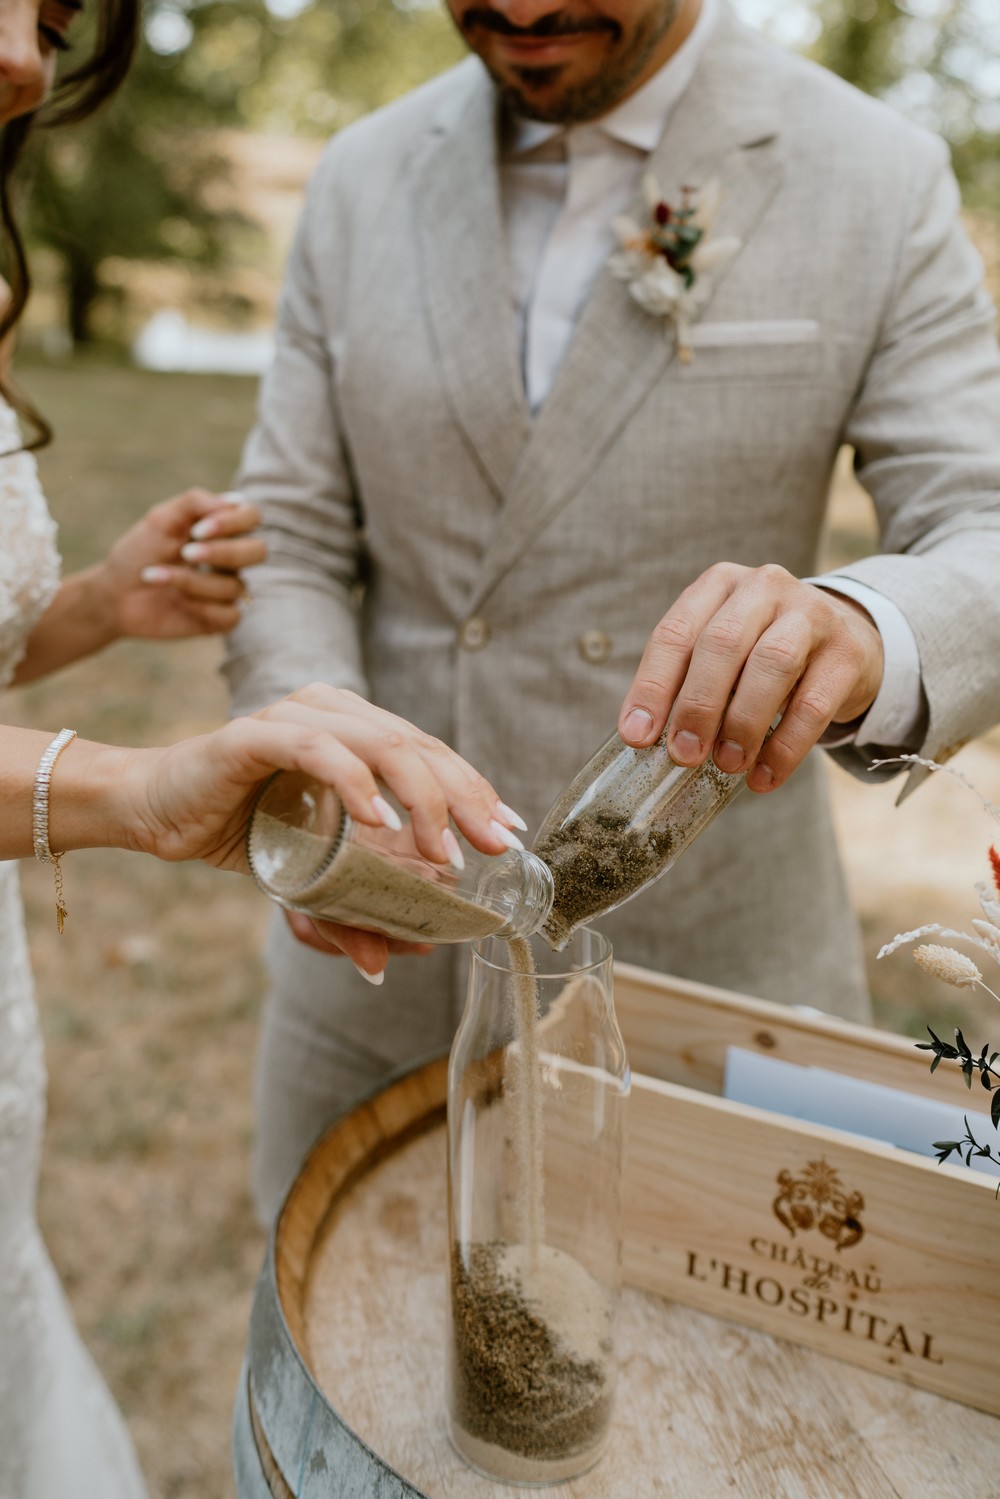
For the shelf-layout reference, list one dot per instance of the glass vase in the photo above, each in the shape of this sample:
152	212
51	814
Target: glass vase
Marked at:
538	1079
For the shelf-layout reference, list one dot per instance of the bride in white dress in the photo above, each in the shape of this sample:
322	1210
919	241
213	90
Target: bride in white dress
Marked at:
61	1436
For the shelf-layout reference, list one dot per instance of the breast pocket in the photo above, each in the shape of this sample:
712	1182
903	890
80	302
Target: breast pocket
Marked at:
775	351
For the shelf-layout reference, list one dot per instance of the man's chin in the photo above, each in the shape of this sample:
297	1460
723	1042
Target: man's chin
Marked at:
541	100
554	95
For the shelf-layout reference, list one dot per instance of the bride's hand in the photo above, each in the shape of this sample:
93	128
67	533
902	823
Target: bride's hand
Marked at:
193	800
176	572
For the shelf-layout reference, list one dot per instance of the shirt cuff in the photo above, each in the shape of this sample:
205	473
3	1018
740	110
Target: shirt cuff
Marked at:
896	718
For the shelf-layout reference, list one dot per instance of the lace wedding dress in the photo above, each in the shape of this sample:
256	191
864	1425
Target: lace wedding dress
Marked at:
61	1436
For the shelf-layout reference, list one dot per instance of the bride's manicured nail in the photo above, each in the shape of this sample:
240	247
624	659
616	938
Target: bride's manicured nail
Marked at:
203	529
507	838
372	978
233	497
387	816
193	551
155	575
450	845
509	815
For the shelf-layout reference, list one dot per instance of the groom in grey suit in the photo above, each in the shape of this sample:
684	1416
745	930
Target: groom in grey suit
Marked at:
499	504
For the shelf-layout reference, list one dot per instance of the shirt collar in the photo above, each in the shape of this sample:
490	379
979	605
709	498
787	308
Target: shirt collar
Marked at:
641	119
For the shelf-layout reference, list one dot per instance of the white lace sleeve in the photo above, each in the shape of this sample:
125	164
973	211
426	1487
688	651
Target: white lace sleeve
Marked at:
29	562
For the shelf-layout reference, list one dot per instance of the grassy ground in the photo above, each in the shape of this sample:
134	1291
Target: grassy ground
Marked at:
150	1001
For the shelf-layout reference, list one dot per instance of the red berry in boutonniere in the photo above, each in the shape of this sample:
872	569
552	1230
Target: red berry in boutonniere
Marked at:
668	264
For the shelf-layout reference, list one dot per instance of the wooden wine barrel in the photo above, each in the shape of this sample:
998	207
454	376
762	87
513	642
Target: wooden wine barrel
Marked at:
288	1432
343	1391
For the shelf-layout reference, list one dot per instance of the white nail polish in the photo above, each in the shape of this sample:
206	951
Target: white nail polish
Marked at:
512	816
155	575
507	838
372	978
233	497
450	845
193	551
202	529
387	815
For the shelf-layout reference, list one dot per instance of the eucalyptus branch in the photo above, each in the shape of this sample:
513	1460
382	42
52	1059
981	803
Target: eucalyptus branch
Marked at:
968	1147
982	1062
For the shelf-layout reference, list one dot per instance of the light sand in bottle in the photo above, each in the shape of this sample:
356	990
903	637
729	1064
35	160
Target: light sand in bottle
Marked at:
365	889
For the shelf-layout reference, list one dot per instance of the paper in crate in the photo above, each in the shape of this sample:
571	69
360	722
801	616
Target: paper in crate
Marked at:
860	1249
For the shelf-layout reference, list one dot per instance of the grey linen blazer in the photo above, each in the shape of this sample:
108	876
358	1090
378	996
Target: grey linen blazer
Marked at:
494	578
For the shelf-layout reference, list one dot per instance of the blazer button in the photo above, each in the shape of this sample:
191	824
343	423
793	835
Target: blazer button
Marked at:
474	634
595	646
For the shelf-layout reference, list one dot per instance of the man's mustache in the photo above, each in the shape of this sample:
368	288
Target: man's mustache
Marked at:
556	23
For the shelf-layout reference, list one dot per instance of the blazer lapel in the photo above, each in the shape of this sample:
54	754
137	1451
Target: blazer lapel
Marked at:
465	278
725	126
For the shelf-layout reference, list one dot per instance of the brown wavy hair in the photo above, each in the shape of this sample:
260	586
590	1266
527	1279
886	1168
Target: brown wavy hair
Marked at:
77	93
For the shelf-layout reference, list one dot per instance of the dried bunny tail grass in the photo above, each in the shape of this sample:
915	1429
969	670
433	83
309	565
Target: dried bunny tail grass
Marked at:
949	770
948	965
932	930
989	905
990	935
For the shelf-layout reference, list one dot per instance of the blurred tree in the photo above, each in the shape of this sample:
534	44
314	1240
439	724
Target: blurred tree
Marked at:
142	180
137	181
311	66
937	61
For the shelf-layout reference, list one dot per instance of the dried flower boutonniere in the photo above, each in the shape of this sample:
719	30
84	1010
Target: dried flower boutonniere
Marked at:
957	968
669	264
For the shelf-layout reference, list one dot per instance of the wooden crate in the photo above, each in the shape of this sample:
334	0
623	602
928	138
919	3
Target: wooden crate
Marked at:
723	1201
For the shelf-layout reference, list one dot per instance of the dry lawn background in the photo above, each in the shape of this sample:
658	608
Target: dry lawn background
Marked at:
150	1001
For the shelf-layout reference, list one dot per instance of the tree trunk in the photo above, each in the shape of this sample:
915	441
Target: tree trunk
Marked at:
82	289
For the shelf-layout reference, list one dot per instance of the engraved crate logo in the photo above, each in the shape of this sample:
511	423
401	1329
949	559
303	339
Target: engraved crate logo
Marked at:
817	1199
808	1281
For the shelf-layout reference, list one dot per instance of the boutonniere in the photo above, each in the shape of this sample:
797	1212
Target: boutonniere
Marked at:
669	264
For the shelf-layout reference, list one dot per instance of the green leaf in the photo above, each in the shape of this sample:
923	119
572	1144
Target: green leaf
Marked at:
688	236
995	1109
936	1062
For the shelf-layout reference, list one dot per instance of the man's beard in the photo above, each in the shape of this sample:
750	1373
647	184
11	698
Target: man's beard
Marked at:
596	95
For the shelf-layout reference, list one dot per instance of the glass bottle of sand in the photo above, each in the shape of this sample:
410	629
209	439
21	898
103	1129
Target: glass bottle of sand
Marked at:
310	855
619	824
537	1084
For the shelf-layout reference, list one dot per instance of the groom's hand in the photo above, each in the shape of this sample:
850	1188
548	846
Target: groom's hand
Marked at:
739	647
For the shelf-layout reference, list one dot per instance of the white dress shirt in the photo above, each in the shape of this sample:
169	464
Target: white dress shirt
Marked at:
560	191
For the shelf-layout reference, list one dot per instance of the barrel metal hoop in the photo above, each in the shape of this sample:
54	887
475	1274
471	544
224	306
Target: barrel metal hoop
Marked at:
310	1442
311	1445
251	1482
